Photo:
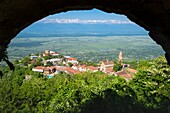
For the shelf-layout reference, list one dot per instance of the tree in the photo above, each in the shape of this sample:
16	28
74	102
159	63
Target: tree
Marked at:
49	64
16	61
70	64
25	61
46	57
39	62
117	66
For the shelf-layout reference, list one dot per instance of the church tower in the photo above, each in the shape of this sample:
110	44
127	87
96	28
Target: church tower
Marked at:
120	57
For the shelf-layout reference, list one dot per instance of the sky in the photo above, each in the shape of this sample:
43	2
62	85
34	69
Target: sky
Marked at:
87	17
84	21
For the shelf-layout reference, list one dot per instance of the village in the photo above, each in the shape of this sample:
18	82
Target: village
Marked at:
52	63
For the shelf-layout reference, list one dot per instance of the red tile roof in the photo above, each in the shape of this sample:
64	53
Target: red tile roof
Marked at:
71	71
71	58
53	53
125	75
32	61
130	70
39	67
46	69
121	73
52	67
83	66
59	68
109	69
92	68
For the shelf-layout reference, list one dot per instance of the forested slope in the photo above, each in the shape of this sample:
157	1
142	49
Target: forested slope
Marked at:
148	92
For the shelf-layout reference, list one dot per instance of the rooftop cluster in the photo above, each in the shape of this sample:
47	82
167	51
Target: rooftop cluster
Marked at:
52	63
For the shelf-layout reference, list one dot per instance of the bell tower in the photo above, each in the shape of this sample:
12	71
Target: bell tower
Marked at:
120	57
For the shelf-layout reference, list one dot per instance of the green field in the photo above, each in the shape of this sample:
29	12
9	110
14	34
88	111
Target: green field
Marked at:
88	48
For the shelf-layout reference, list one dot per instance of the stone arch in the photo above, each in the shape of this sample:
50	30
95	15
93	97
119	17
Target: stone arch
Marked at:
153	15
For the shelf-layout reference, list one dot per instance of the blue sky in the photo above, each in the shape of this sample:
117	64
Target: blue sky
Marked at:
86	16
85	21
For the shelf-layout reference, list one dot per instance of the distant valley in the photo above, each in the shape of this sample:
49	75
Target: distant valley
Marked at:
88	48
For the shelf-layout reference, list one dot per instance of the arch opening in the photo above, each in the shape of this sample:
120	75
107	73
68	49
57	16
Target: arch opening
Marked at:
78	33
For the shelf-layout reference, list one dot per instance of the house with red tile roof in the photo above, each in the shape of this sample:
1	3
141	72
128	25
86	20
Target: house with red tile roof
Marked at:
45	70
124	74
54	60
39	69
52	69
60	68
132	71
109	71
71	71
82	68
52	53
106	64
32	61
75	67
92	68
72	60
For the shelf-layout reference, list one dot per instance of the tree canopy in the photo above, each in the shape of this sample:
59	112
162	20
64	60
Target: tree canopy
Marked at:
90	92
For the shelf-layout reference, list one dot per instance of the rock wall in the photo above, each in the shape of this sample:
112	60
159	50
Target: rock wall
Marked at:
153	15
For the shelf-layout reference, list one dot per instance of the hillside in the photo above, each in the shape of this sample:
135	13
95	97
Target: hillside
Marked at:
28	91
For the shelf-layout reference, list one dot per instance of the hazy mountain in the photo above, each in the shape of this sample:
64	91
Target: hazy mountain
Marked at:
54	29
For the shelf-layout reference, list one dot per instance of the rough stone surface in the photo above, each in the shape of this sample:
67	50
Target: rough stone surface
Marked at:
153	15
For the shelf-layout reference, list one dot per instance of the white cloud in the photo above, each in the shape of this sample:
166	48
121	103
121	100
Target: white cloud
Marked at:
78	21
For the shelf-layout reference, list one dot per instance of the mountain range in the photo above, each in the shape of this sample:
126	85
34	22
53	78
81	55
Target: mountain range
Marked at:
79	29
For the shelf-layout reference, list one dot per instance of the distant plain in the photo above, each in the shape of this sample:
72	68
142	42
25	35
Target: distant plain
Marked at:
88	48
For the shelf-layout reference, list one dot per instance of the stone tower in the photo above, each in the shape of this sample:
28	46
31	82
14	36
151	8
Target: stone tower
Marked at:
120	57
47	52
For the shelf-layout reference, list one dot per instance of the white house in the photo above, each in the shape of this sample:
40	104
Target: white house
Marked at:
75	67
105	65
92	68
39	69
72	60
54	60
82	68
54	53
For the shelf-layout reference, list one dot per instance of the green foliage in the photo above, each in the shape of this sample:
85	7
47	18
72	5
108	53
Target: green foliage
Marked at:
117	66
152	83
133	64
91	63
49	64
70	64
39	62
25	61
96	92
88	63
51	57
46	57
16	62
